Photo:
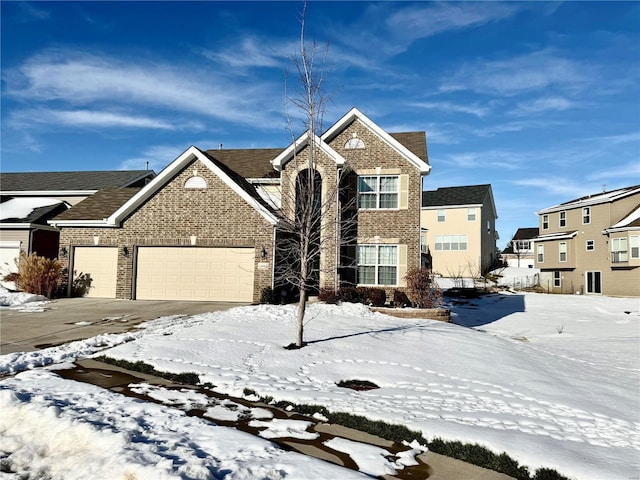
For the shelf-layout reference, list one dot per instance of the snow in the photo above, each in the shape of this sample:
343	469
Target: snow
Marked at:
553	380
21	207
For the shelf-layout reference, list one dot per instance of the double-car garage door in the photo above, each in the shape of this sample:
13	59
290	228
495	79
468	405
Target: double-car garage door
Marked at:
175	273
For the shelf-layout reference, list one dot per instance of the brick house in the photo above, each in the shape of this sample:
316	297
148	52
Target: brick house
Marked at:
208	226
591	244
459	230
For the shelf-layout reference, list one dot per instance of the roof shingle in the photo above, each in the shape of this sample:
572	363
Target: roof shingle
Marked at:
449	196
72	181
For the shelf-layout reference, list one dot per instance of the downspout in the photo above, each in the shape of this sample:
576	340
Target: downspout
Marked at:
338	239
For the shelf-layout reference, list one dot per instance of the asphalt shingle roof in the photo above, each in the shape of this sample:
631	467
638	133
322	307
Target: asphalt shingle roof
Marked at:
99	205
449	196
72	181
248	162
416	142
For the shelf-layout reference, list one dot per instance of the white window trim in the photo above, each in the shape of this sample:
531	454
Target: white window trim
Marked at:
444	215
377	264
377	192
545	221
588	209
471	214
562	251
593	245
562	219
539	253
557	282
618	241
451	235
634	242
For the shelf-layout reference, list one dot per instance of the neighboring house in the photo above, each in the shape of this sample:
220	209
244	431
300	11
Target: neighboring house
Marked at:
520	250
30	199
209	225
591	244
458	230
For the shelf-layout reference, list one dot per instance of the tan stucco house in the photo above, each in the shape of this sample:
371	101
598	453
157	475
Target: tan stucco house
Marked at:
459	230
591	244
209	226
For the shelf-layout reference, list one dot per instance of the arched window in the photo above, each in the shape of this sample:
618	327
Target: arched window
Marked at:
354	143
195	183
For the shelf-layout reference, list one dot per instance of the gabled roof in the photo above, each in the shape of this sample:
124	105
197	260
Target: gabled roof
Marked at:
416	142
594	199
457	196
248	162
73	182
526	233
228	176
288	154
395	143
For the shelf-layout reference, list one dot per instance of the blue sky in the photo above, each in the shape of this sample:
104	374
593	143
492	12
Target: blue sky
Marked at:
542	99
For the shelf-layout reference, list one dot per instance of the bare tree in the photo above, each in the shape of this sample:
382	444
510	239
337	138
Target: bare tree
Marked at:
312	203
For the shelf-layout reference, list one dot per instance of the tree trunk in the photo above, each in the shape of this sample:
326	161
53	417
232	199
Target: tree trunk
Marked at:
302	305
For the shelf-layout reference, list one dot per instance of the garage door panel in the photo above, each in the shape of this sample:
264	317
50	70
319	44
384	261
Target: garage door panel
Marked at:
101	264
195	273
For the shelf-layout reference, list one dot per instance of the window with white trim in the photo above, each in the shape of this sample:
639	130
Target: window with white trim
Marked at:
563	219
586	215
634	246
441	215
540	257
562	249
377	264
557	279
354	143
195	183
545	222
378	191
590	245
619	251
451	242
471	214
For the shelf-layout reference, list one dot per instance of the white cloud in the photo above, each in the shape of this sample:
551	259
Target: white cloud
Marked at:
154	158
450	107
251	52
30	13
559	186
540	105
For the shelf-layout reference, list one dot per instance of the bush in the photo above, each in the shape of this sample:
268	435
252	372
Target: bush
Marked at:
376	297
422	289
329	295
353	294
37	275
267	295
400	299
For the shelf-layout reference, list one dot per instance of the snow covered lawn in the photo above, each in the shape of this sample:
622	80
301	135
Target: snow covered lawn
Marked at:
552	380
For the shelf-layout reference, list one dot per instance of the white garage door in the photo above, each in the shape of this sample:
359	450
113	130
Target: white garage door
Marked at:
9	253
195	273
101	264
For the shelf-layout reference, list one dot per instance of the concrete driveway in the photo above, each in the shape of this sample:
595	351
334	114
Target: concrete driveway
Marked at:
67	319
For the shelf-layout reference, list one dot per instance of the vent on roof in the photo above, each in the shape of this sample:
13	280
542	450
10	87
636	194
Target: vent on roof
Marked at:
195	183
354	143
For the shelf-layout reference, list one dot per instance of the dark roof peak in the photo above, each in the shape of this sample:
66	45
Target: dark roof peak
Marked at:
460	195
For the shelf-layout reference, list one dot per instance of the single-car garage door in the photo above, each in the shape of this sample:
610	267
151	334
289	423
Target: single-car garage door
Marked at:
195	273
101	266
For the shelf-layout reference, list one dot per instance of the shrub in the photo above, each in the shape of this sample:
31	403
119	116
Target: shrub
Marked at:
267	295
400	299
376	296
422	289
353	294
37	275
329	295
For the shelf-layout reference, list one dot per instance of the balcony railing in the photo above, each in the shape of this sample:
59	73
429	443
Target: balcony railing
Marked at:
619	256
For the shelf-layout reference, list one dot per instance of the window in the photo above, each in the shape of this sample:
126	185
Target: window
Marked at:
557	279
522	245
451	242
591	245
377	264
586	215
619	250
634	243
563	251
545	222
377	192
540	253
195	182
441	215
354	143
471	214
563	219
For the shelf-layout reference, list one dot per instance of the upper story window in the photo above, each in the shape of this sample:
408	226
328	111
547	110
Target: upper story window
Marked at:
378	191
563	219
540	256
354	143
451	242
619	252
471	214
590	245
441	215
586	215
545	222
563	251
377	264
522	245
634	244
